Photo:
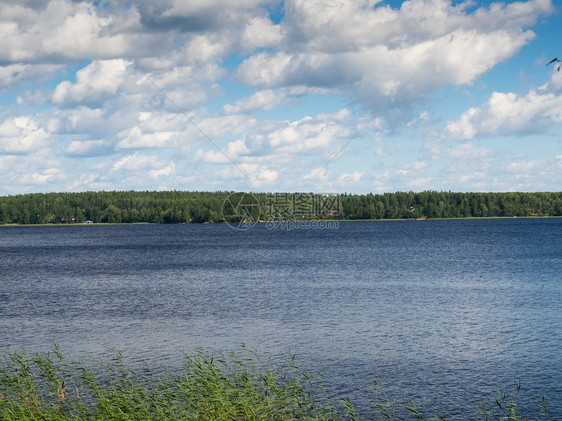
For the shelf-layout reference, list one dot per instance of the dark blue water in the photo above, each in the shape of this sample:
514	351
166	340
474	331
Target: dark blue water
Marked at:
440	312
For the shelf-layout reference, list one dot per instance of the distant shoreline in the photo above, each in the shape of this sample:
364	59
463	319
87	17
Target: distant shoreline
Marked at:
176	207
467	218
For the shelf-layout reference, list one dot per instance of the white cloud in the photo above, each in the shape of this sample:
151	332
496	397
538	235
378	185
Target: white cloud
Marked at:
353	177
555	82
268	99
16	74
524	167
266	70
84	148
203	49
65	29
263	176
80	119
99	78
163	172
227	155
21	135
321	54
261	32
506	114
372	50
469	151
257	175
82	182
217	127
471	179
138	162
37	170
180	8
50	174
311	134
320	174
538	175
134	138
62	30
419	165
80	31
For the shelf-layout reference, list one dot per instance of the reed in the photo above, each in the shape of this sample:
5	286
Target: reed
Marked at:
211	386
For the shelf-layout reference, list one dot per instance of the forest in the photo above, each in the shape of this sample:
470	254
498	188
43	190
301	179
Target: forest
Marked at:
172	207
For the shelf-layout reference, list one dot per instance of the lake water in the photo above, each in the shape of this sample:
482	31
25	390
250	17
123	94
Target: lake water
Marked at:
440	312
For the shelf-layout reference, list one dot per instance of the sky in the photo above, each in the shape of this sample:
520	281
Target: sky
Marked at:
323	96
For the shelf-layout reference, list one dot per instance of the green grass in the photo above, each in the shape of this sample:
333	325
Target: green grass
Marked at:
211	386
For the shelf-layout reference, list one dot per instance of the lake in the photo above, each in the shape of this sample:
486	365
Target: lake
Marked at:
441	312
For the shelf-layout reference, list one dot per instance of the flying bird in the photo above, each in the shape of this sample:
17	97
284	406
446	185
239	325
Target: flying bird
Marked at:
555	60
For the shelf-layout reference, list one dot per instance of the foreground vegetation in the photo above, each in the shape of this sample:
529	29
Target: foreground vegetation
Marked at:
211	387
187	207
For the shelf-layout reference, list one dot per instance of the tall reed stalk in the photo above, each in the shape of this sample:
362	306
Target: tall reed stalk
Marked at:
211	386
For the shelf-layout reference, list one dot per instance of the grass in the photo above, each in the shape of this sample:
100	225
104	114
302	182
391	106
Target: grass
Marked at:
211	386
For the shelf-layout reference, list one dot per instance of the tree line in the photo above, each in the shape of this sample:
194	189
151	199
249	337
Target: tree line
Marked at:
174	207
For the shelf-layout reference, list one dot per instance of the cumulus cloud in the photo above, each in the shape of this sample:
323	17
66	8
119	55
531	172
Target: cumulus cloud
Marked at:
476	177
532	175
64	29
320	174
14	75
163	172
86	148
261	32
371	49
257	175
311	134
193	16
148	65
226	155
353	177
21	135
508	114
135	138
268	99
261	176
50	174
81	119
138	162
37	169
61	30
99	78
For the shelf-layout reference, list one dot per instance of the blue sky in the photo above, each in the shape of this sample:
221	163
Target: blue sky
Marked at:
280	95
